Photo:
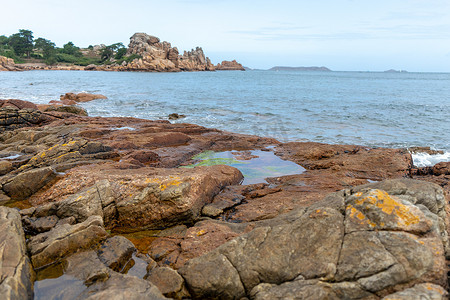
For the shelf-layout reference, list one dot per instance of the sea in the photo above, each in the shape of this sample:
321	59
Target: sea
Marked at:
376	109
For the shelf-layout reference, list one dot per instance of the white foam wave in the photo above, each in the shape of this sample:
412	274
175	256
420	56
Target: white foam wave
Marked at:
428	160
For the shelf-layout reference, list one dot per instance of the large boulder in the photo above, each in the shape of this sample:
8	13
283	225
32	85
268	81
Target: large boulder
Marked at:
428	197
51	246
142	198
16	274
354	244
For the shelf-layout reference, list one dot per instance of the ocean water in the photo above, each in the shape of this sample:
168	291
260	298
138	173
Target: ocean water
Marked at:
365	108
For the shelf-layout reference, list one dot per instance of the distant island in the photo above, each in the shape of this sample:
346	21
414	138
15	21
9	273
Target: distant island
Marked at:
395	71
282	68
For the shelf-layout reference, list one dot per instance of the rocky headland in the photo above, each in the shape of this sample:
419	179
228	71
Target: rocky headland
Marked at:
150	55
96	208
7	64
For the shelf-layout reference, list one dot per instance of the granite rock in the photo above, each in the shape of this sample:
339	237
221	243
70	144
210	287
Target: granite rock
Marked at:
63	240
16	273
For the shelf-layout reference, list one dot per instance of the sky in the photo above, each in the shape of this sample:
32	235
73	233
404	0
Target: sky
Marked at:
346	35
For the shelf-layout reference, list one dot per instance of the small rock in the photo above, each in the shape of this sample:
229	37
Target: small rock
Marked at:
210	210
5	167
3	198
176	116
68	109
41	224
115	252
442	168
81	97
169	282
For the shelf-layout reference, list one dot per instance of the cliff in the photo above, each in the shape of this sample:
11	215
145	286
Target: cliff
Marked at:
160	57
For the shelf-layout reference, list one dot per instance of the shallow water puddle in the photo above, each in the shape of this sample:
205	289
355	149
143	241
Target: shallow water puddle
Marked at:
58	288
11	157
255	165
53	283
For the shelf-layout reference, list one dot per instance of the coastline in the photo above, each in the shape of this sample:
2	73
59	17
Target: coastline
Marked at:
112	180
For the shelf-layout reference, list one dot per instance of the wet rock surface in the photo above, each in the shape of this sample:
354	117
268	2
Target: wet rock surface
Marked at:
337	230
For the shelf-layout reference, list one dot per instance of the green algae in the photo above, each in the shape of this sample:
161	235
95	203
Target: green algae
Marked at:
262	164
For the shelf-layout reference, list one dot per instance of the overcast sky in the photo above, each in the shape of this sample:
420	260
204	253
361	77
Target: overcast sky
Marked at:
360	35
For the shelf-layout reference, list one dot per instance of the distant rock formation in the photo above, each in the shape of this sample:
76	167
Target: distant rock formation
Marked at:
162	57
281	68
149	53
230	65
7	64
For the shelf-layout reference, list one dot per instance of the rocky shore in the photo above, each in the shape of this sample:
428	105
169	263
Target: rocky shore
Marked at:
151	54
96	208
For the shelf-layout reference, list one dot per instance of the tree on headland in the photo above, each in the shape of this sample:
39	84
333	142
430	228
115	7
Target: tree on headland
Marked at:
71	49
3	40
48	50
111	51
22	42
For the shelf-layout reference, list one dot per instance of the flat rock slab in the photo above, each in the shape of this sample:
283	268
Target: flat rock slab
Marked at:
16	274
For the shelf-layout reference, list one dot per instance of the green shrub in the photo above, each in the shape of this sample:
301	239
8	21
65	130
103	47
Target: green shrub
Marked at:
120	53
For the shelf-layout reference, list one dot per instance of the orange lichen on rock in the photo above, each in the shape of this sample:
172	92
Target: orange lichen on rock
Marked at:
175	181
357	214
376	209
390	206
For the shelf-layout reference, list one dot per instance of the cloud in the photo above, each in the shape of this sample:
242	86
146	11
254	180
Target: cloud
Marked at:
367	32
416	16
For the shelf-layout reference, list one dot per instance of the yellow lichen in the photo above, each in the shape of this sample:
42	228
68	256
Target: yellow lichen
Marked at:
389	206
175	182
151	180
201	232
357	215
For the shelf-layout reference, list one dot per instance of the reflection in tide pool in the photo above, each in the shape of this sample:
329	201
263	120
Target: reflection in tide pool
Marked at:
63	287
255	165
